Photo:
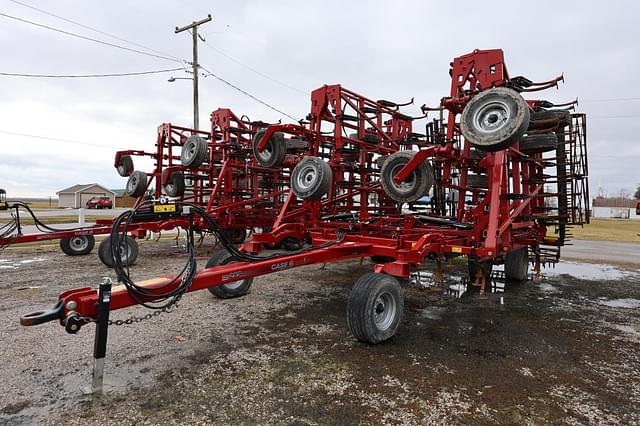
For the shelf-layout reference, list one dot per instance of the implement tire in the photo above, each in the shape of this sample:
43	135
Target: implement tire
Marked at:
273	153
375	308
534	144
415	186
232	289
311	178
129	251
516	265
78	245
495	119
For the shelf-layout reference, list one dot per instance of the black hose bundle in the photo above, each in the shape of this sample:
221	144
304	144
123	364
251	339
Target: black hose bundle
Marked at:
168	294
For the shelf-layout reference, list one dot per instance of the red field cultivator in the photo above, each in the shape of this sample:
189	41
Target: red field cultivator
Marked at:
498	181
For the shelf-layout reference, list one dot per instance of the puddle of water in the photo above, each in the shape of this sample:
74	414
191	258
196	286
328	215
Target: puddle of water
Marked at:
620	303
548	288
588	271
433	312
36	259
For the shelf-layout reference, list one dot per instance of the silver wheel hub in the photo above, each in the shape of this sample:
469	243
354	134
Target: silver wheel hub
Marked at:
307	177
385	308
492	117
78	243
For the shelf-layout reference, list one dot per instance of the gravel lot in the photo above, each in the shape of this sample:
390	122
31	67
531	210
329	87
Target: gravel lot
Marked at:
565	350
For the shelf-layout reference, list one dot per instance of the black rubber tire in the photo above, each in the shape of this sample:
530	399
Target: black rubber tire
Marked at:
104	251
533	144
375	308
175	186
417	185
516	265
194	152
274	153
478	181
229	290
382	259
136	184
78	245
500	105
125	166
311	178
236	235
549	119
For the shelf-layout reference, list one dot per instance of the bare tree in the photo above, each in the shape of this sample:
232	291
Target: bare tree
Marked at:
624	193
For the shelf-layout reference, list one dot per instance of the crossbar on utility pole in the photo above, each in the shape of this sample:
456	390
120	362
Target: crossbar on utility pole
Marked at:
194	32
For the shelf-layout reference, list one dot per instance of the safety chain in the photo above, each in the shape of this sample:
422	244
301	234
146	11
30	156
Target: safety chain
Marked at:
135	319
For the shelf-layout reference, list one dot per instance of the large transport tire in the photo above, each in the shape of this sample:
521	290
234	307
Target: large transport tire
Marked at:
129	251
274	152
415	186
375	308
495	119
232	289
125	166
175	186
136	184
194	152
235	235
533	144
78	245
311	178
549	119
516	265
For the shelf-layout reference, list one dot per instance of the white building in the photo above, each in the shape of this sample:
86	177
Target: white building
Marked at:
615	208
77	196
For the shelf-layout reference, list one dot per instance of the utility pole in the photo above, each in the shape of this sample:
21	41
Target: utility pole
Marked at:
194	32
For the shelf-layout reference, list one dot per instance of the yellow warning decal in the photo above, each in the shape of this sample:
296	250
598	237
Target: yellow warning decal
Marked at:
164	208
456	249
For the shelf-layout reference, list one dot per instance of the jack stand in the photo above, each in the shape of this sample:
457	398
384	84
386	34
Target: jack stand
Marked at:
537	275
100	342
437	275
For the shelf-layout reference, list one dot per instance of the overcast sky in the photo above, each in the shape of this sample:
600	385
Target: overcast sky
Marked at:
382	49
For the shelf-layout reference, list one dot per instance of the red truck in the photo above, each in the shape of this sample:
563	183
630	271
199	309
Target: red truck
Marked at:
100	203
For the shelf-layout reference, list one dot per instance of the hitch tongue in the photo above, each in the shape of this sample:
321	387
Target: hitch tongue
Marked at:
42	316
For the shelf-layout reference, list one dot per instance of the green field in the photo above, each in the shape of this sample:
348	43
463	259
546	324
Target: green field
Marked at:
609	230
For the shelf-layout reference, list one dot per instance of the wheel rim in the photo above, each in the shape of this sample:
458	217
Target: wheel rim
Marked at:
125	251
265	154
307	177
190	151
78	243
234	285
133	182
402	187
384	311
170	189
492	117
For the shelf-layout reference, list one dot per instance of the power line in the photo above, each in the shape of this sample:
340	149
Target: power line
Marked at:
152	55
57	139
124	74
94	29
106	43
261	74
233	86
